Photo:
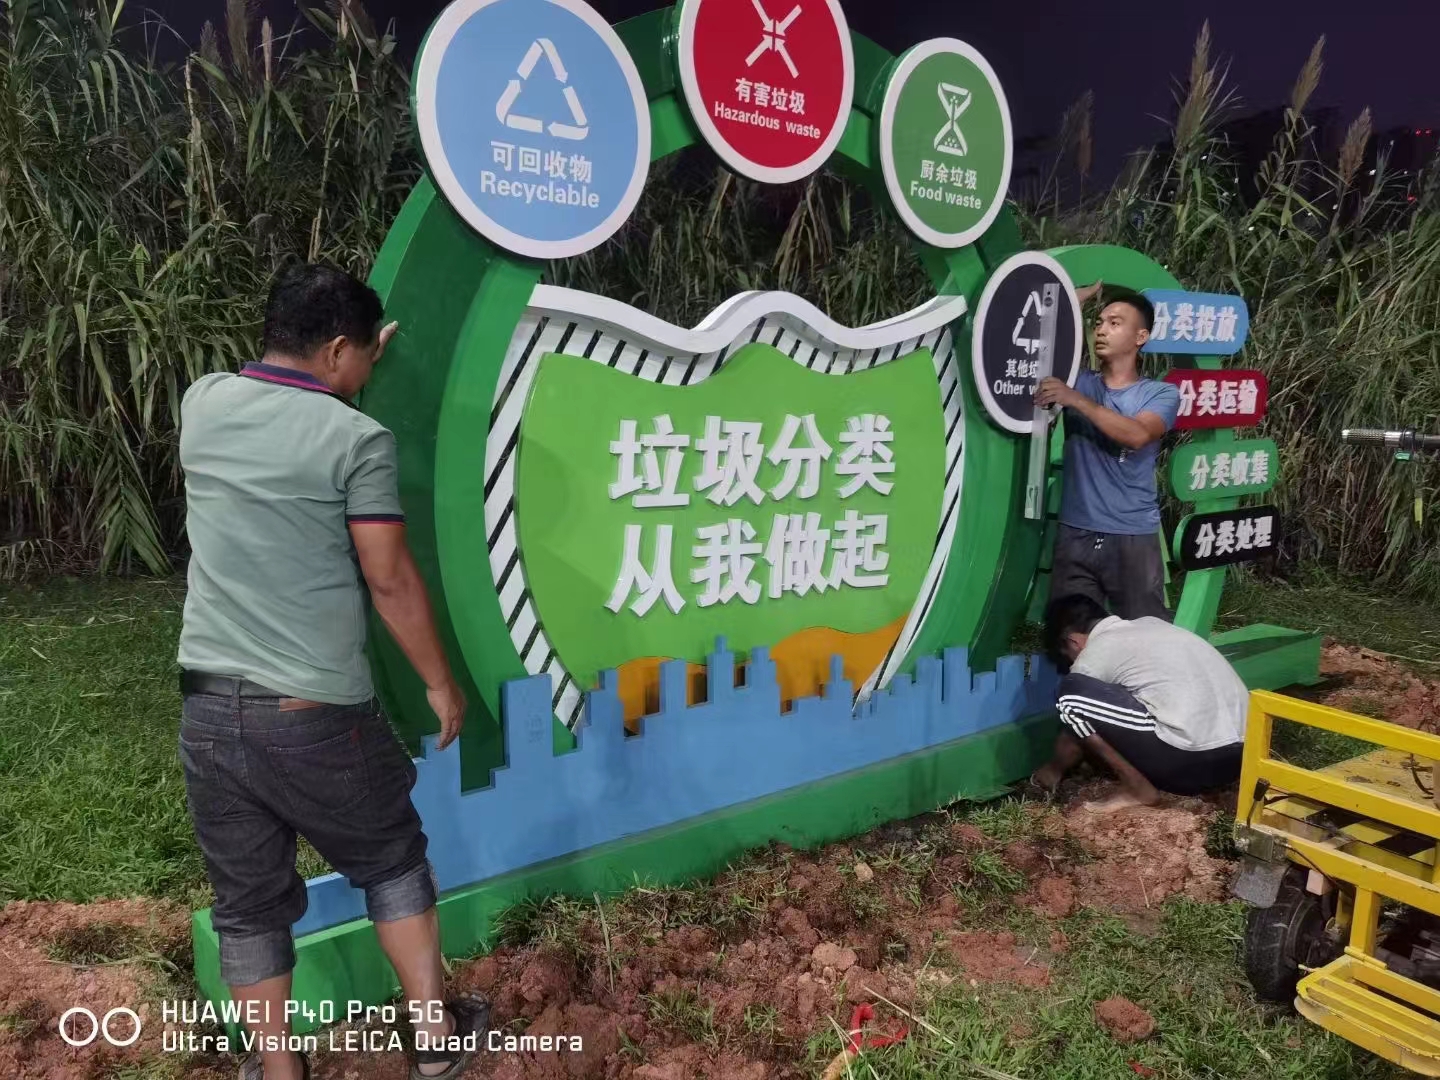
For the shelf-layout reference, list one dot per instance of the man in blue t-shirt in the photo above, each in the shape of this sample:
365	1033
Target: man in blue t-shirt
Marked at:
1108	546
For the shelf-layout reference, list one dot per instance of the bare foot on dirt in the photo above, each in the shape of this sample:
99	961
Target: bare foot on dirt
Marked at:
1121	800
1048	776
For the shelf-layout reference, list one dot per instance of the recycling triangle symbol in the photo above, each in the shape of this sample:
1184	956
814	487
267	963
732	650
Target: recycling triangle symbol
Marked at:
1030	345
579	127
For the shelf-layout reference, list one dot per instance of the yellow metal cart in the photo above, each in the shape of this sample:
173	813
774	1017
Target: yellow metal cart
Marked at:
1341	867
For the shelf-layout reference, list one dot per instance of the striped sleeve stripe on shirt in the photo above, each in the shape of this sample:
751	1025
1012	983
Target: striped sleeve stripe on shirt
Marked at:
1075	723
1077	710
1109	706
375	519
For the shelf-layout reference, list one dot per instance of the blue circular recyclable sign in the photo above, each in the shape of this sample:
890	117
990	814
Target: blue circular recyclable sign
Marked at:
534	123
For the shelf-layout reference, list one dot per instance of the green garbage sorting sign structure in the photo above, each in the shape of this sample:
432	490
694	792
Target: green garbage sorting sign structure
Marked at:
591	491
542	97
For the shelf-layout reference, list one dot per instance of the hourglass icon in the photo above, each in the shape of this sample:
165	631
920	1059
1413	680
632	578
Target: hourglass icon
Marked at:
951	140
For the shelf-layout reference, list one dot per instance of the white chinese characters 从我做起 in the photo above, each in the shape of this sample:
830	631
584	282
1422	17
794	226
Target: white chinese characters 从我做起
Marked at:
802	554
727	552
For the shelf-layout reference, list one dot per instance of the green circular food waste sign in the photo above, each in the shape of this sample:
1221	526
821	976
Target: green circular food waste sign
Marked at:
945	142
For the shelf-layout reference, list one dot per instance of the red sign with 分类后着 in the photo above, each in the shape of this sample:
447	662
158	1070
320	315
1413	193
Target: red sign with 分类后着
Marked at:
1220	399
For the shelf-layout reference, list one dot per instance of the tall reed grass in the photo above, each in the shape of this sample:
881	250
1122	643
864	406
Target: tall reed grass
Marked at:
145	203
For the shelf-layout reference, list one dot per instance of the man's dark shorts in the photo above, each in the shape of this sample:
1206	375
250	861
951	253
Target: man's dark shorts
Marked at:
336	774
1089	707
1124	573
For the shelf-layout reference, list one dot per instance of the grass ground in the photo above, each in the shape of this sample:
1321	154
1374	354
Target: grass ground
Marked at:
92	806
1185	975
87	673
92	803
1400	627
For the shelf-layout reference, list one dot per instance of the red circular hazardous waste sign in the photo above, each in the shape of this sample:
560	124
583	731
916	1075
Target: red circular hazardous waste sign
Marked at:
769	82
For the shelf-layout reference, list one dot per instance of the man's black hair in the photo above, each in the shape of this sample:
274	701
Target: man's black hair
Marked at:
1067	615
310	305
1139	303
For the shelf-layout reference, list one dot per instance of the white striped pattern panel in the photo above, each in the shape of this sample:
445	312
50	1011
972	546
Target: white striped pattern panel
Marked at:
948	375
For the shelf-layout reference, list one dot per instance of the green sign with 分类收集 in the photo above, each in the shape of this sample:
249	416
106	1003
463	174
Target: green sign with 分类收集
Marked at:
1201	471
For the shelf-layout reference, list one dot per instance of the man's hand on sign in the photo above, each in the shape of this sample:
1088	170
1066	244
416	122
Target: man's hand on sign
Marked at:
398	593
1056	392
1089	292
386	336
448	702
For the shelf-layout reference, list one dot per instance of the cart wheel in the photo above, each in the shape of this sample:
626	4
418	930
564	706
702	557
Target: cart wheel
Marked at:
1282	937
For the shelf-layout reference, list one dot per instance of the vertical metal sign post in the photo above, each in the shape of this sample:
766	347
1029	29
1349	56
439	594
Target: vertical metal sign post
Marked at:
1040	432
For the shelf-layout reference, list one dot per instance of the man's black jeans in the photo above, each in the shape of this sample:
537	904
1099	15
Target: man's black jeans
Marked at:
257	776
1125	573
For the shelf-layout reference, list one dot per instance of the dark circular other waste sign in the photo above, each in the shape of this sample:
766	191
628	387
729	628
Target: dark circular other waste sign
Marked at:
1011	324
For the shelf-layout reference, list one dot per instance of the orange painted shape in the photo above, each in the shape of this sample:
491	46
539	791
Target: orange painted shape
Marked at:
640	687
802	666
802	661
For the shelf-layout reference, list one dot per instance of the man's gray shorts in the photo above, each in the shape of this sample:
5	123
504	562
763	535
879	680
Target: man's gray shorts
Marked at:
335	774
1123	573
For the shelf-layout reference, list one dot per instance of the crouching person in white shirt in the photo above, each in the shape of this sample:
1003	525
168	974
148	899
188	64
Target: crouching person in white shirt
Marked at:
1157	705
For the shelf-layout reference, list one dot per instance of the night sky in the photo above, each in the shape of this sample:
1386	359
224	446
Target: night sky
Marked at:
1379	54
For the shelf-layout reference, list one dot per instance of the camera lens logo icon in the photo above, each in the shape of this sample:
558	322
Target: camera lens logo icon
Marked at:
81	1027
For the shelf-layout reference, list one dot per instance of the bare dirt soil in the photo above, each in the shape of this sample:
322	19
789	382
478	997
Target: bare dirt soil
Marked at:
811	939
1370	683
1123	1020
57	956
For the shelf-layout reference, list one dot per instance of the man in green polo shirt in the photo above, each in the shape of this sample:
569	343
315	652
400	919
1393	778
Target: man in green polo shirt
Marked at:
295	527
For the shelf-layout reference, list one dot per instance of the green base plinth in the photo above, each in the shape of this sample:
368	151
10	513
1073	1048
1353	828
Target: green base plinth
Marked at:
344	963
1271	657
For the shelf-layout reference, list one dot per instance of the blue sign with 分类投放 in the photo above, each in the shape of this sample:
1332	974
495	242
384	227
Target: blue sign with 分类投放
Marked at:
1197	324
534	123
